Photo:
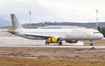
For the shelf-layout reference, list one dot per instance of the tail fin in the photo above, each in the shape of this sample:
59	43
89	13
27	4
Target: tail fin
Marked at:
15	22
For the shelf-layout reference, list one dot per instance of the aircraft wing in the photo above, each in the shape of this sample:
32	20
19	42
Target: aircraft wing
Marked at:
38	35
44	36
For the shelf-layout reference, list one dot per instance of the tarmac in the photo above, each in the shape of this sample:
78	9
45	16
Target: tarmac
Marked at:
23	42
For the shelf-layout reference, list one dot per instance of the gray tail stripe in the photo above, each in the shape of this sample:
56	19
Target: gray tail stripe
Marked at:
15	22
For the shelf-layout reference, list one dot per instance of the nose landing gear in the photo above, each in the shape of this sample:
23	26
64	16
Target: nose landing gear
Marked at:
91	44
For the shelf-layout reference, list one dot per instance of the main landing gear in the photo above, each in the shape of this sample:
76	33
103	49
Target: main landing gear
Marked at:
47	43
91	44
59	43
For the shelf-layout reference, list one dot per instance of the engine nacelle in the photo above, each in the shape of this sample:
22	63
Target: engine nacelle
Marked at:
52	40
71	41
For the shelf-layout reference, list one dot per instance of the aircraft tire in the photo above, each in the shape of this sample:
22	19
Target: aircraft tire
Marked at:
47	43
91	44
60	43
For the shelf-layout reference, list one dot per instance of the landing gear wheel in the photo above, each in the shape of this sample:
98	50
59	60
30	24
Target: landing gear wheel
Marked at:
47	43
60	43
91	44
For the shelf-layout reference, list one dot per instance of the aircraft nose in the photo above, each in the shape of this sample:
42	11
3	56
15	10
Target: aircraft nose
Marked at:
101	36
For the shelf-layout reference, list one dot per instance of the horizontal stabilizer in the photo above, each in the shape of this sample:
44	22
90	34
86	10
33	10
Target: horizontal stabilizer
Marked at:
11	29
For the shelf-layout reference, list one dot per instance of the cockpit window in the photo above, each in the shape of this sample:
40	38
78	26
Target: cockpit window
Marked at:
96	32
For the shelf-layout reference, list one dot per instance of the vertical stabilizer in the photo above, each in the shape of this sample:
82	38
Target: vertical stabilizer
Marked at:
15	22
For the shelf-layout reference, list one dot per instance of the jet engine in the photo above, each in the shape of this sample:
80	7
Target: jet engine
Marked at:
71	41
52	40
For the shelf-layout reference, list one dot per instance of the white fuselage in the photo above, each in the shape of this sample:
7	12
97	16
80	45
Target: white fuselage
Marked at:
67	34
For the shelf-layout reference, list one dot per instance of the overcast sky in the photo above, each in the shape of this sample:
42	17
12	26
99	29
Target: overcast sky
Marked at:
53	10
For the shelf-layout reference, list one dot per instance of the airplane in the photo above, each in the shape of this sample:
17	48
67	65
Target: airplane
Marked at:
55	35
